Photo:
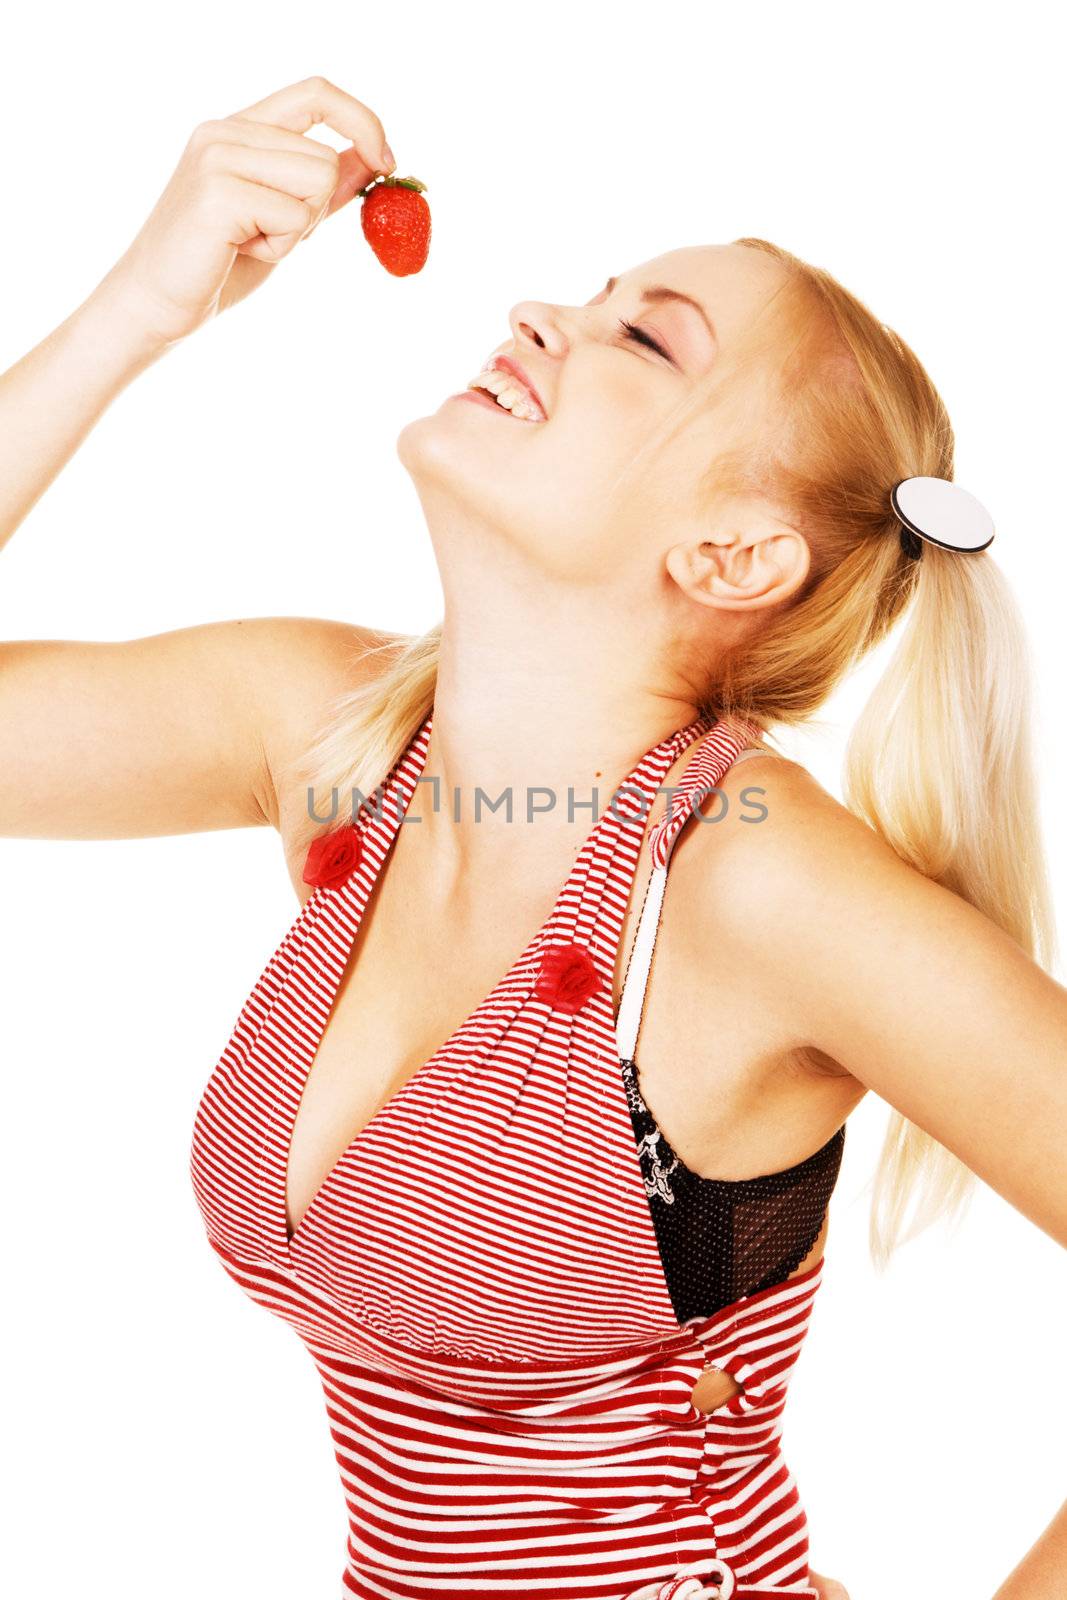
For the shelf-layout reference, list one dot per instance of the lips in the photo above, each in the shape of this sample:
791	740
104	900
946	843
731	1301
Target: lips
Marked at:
509	364
512	389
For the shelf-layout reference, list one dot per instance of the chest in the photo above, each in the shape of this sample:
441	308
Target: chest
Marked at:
417	970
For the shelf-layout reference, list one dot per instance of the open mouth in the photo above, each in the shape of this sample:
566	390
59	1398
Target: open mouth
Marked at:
476	392
501	388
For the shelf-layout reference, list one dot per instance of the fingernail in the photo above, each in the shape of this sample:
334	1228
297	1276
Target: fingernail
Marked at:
388	159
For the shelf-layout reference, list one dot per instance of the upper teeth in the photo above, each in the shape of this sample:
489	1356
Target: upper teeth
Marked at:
508	392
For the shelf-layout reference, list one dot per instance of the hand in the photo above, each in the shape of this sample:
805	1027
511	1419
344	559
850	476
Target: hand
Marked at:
828	1588
246	190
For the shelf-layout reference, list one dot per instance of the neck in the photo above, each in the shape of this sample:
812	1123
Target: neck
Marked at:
550	698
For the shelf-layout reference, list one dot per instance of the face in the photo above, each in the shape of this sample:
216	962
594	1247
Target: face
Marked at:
604	463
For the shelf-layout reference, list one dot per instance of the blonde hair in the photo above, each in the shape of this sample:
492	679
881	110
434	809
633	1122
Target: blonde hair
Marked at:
940	761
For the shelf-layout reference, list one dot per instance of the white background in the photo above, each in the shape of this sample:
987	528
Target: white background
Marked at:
165	1437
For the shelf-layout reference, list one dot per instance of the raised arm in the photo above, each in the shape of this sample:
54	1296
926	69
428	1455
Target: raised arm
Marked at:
182	730
178	732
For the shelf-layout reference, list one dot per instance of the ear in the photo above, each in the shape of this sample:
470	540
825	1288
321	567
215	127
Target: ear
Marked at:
742	571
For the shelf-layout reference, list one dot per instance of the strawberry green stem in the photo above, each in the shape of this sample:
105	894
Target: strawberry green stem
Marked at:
392	183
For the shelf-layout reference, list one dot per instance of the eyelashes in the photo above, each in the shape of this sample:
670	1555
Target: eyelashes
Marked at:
631	331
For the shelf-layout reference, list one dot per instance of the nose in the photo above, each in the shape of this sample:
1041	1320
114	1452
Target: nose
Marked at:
539	324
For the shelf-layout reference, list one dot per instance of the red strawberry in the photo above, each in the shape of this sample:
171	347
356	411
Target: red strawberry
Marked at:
396	224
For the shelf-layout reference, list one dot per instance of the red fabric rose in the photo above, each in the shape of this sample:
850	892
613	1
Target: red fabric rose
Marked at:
567	977
333	857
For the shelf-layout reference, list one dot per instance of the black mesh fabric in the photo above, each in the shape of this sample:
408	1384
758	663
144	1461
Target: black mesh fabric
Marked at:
722	1238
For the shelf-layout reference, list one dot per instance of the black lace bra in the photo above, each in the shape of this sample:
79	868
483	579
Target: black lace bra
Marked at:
719	1238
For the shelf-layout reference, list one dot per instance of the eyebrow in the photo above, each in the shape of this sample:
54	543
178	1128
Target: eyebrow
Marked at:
658	292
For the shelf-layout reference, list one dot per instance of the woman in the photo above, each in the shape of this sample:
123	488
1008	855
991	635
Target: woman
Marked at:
554	1312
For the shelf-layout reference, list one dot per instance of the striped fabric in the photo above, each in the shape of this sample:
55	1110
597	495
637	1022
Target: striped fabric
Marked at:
477	1279
703	772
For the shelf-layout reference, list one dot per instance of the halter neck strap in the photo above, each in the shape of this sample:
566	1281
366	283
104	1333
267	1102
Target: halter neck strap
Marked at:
710	759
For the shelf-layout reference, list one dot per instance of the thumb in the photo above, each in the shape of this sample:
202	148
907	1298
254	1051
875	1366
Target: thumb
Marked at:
828	1588
353	175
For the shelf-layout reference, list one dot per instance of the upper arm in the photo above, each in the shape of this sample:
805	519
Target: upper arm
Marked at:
173	733
916	993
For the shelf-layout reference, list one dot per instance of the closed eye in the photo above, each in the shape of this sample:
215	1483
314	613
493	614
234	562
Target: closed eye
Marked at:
639	336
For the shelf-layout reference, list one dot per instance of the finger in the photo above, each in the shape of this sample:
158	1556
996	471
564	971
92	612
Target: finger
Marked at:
301	106
241	130
347	171
297	173
353	174
351	171
269	252
251	209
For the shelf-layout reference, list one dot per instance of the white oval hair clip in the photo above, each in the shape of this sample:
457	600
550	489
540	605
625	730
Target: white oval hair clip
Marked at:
939	511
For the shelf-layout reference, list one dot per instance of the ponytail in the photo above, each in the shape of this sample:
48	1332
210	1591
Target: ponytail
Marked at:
940	763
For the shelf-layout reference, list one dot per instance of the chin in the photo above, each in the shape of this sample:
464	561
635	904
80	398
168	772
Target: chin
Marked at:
414	439
446	450
434	441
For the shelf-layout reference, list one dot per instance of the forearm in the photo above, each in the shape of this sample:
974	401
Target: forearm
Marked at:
53	396
1042	1573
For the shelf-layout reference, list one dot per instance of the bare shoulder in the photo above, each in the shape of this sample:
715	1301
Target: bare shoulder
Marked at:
912	989
302	666
775	814
783	851
787	886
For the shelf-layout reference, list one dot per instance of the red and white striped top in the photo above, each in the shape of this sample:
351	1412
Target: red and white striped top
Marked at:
478	1280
